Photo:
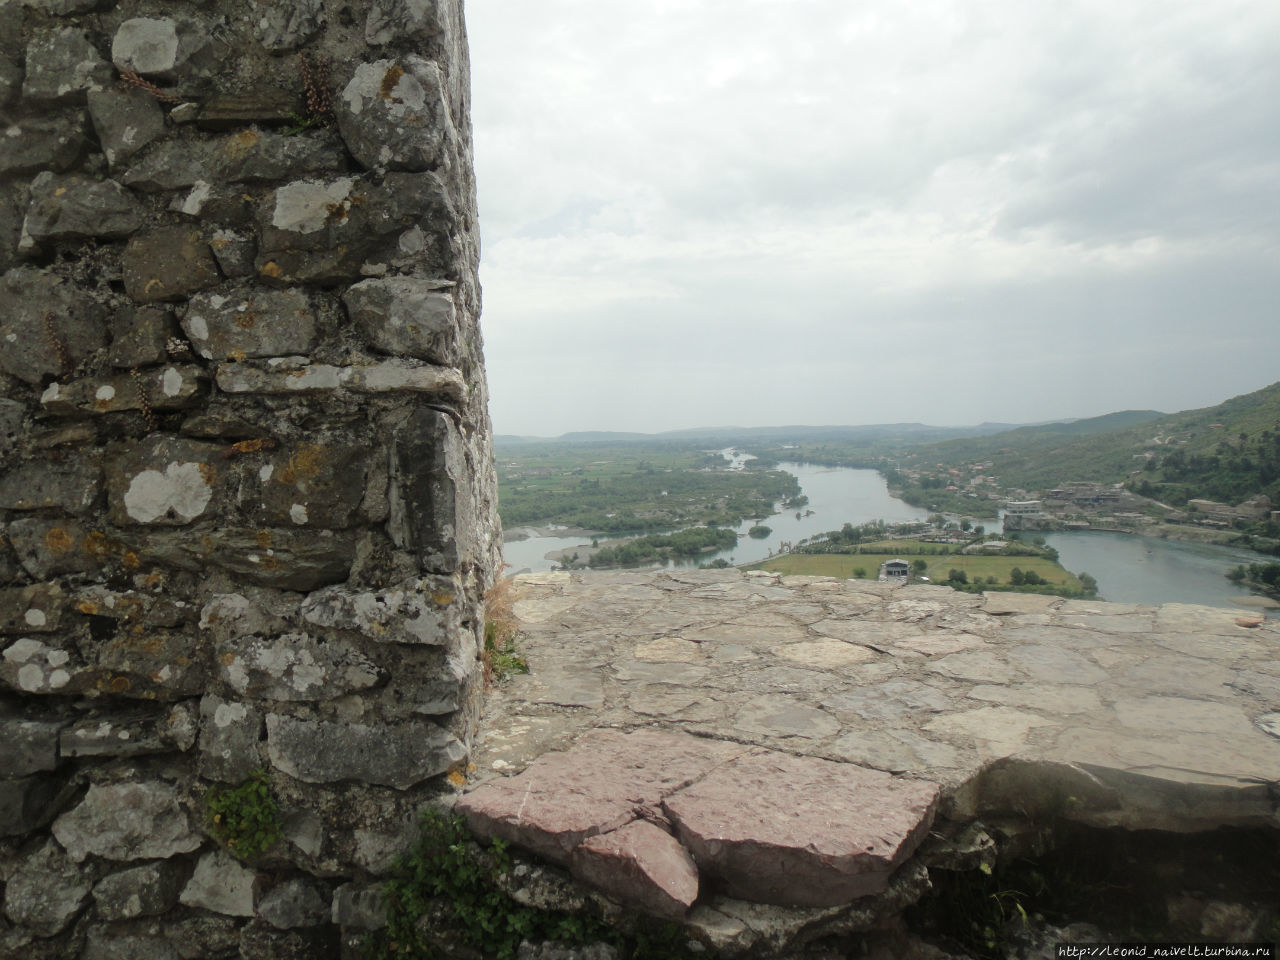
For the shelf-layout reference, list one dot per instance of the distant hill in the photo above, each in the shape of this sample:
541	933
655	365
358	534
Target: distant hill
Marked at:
1218	452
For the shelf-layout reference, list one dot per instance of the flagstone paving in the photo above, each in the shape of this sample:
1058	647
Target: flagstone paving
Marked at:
797	736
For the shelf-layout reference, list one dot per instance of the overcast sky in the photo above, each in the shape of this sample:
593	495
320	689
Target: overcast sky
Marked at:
762	212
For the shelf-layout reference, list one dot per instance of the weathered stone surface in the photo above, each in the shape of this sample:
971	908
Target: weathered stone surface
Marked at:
359	906
229	616
285	25
258	104
419	611
33	667
393	115
221	884
406	316
149	664
250	323
248	156
308	485
125	120
127	821
432	512
24	804
403	19
55	142
45	322
294	666
68	482
261	941
642	865
165	48
46	891
113	942
393	376
229	735
163	480
75	207
34	609
845	831
62	64
139	337
294	903
130	733
144	891
327	231
395	755
168	263
173	387
234	252
285	559
27	746
46	548
603	783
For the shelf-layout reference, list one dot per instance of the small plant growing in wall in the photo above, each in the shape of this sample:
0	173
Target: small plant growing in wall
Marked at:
246	819
500	630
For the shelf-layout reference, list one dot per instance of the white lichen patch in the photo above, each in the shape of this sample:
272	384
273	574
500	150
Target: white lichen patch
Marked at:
105	392
171	382
181	491
24	650
309	205
265	472
226	714
193	203
35	618
50	394
298	514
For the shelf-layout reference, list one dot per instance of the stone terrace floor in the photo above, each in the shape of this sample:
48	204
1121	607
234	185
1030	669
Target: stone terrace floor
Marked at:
1165	717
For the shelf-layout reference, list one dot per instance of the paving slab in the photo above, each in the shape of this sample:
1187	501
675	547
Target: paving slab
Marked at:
765	724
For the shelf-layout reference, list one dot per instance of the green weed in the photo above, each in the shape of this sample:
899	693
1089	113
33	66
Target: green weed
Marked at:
245	818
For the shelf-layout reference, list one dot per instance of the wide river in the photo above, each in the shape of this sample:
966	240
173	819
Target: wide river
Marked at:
1128	569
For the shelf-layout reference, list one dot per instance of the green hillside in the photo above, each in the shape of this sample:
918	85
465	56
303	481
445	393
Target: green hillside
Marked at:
1227	452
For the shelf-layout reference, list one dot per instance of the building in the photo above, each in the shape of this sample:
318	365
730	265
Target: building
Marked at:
895	569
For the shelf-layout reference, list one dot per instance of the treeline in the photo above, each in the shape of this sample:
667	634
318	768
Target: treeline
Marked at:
662	547
1263	577
1232	471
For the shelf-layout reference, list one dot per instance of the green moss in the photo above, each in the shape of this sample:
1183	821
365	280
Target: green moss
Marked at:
447	889
246	819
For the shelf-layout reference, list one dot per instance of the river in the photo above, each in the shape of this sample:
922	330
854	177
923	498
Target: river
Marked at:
1129	569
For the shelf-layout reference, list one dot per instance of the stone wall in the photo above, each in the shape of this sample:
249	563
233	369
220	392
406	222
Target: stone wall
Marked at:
246	485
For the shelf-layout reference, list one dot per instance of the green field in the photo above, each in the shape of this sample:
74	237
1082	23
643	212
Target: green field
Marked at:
843	565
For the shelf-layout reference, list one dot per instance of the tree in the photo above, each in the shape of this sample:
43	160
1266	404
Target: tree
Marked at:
957	576
1017	577
1088	583
859	573
918	567
965	525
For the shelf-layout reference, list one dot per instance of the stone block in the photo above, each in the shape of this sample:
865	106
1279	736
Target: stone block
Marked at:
285	25
425	610
127	821
37	608
125	119
250	322
46	891
162	480
294	666
68	482
427	681
221	884
143	891
432	513
229	734
394	755
294	903
46	324
393	116
62	65
47	548
173	387
261	941
118	942
74	207
780	829
168	263
328	231
149	664
229	616
165	48
45	142
393	376
27	746
247	156
359	906
24	804
395	20
641	865
406	316
271	557
307	485
130	733
260	104
234	251
139	338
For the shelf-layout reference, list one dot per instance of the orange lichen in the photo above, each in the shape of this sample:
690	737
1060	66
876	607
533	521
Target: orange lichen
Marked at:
130	560
271	269
307	461
264	539
57	540
390	80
